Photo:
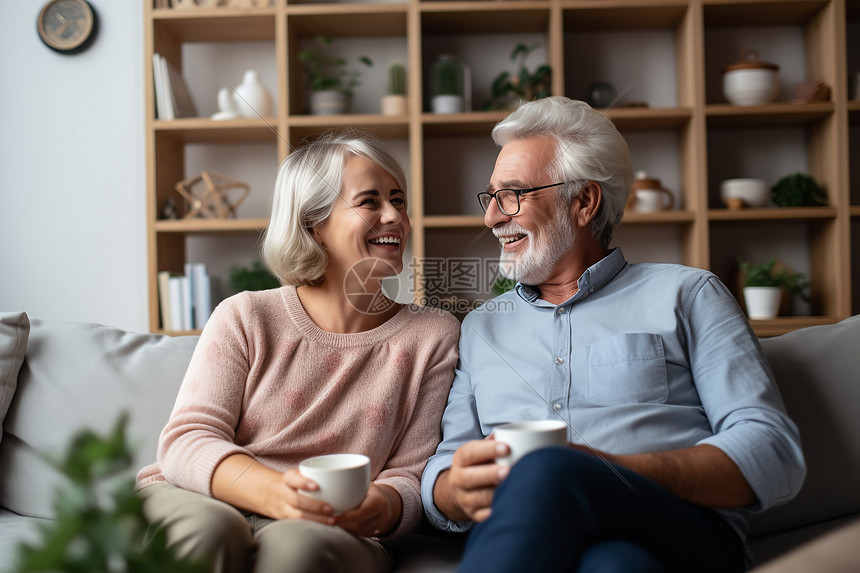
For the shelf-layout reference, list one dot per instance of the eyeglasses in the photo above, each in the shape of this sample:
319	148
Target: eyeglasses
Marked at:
508	200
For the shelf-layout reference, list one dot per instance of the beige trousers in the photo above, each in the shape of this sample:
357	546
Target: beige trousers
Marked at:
237	542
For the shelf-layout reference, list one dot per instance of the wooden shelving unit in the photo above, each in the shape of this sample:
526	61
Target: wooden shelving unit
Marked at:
690	121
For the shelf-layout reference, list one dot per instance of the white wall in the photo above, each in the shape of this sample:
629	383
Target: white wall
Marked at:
72	170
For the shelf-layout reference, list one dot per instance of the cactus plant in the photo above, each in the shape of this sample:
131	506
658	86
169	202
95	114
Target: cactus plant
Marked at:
397	79
448	76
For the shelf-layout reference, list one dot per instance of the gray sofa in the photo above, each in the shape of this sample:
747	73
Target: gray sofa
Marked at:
56	377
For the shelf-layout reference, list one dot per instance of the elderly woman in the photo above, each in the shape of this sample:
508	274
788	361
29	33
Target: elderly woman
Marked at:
324	364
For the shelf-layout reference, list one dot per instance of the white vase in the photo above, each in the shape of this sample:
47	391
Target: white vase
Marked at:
762	302
251	97
226	106
329	102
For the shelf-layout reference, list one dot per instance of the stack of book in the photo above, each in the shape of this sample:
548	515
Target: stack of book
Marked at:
172	98
185	300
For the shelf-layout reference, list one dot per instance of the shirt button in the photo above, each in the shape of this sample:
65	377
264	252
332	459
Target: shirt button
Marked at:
560	360
556	407
562	310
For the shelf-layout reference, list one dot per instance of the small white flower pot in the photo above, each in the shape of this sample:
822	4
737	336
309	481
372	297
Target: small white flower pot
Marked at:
393	104
329	102
448	103
762	302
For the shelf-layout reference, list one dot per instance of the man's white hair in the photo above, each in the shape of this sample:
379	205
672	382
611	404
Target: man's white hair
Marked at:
588	147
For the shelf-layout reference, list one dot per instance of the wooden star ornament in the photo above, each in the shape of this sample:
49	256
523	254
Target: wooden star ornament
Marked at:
208	195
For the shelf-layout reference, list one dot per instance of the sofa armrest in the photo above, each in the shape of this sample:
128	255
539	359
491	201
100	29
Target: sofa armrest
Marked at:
816	372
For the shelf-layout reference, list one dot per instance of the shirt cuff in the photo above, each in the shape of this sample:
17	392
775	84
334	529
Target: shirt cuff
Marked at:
435	466
774	471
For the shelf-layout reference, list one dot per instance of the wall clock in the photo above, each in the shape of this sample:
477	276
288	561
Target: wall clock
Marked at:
67	26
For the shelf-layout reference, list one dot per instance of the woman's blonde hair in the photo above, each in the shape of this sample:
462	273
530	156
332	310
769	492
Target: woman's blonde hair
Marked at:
309	182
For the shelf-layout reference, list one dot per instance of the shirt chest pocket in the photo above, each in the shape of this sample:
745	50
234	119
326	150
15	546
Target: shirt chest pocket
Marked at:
628	368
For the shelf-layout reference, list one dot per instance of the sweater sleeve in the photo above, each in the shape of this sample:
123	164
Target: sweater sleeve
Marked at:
201	430
422	433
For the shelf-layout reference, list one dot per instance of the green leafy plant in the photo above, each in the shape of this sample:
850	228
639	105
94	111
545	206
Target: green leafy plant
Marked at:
253	277
396	79
768	275
797	190
503	285
524	85
99	527
327	72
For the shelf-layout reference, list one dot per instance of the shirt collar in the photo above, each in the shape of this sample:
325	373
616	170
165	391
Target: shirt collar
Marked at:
594	278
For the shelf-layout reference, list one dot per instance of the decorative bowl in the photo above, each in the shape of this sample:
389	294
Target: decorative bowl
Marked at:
749	191
750	81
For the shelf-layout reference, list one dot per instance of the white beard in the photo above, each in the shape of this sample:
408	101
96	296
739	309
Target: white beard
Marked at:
535	265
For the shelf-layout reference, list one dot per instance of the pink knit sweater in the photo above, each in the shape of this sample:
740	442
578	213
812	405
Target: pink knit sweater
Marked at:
265	381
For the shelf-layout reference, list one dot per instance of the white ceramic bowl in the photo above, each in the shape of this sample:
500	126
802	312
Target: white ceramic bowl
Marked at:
751	86
753	192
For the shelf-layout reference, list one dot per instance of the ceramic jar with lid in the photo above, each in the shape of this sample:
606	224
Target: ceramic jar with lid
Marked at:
649	195
750	81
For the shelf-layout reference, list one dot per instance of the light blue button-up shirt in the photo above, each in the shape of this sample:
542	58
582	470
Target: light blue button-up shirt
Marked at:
644	357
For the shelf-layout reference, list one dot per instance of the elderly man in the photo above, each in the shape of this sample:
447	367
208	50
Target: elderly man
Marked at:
677	431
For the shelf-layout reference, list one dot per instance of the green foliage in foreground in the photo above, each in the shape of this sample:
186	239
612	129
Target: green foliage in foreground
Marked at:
99	525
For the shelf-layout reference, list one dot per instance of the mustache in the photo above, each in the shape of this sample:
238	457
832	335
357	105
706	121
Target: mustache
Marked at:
510	229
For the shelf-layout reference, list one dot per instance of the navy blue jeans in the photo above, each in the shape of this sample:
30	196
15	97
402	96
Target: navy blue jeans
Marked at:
563	510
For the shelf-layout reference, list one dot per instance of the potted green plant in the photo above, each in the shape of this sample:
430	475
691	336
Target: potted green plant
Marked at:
394	102
450	84
508	90
798	190
330	81
764	285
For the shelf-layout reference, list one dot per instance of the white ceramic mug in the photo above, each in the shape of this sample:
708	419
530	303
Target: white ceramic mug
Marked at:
343	479
525	437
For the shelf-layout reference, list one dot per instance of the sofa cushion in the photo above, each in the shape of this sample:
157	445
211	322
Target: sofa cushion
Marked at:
14	332
14	530
816	370
765	548
831	553
84	375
